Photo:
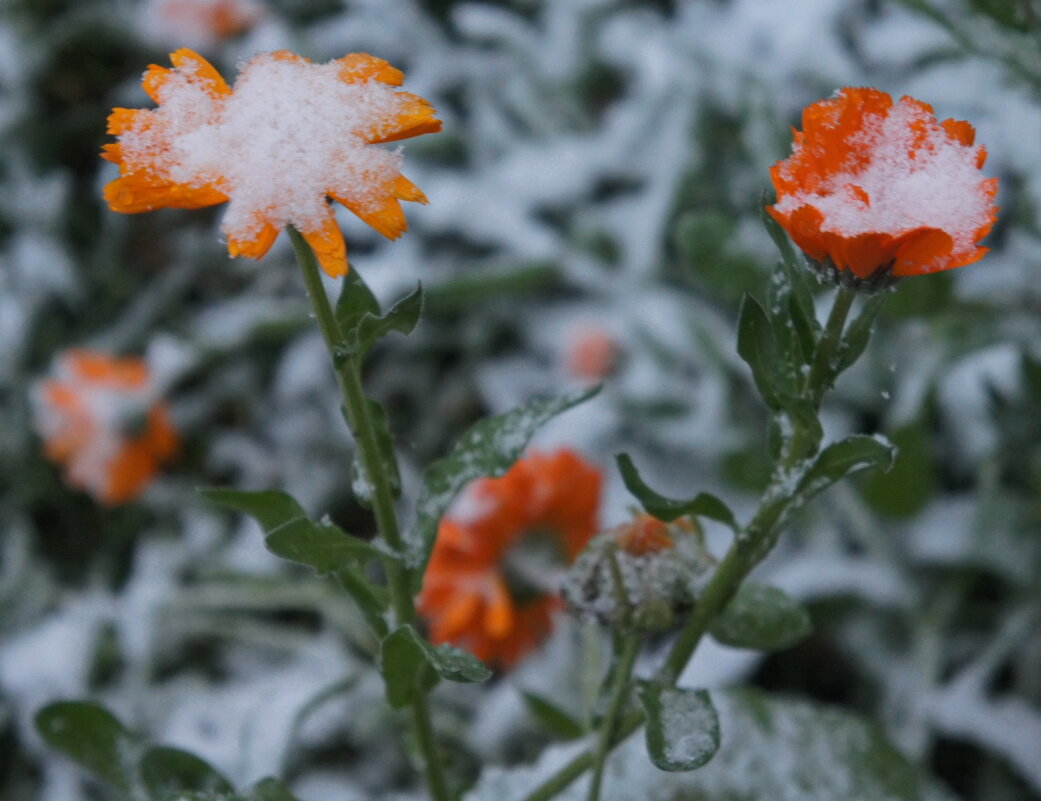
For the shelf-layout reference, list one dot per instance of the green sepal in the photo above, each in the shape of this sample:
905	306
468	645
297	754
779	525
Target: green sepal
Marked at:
668	509
682	731
763	618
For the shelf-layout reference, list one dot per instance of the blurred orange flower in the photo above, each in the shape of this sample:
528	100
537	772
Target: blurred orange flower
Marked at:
592	355
877	187
489	585
290	136
99	419
201	23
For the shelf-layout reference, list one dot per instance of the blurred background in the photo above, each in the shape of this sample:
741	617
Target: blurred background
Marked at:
594	216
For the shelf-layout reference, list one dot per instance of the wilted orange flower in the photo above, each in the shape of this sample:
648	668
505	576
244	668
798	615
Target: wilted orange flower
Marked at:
644	535
878	187
291	136
489	587
98	417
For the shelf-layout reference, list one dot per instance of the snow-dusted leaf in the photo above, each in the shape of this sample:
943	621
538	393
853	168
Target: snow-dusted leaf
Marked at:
271	508
761	617
165	771
846	457
757	345
402	317
668	509
773	749
682	728
90	735
489	448
411	664
322	545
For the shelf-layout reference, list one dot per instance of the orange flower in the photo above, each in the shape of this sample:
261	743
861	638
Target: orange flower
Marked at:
879	188
98	419
204	22
593	354
290	136
644	535
486	587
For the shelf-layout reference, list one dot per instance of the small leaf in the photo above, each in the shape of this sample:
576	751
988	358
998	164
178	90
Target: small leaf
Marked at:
763	618
270	790
323	546
489	448
271	508
858	334
682	726
844	458
789	257
360	483
169	771
410	664
402	318
355	302
756	344
667	509
93	737
553	717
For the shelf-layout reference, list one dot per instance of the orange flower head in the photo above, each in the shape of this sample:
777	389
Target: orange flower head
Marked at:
881	188
99	419
593	354
289	137
489	587
202	23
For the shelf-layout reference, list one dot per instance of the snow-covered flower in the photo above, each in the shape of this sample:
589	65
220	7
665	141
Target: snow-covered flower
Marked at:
288	137
491	586
882	188
99	418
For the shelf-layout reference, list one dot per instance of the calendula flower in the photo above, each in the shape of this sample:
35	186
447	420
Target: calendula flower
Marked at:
491	583
881	188
99	418
640	576
290	136
592	355
201	23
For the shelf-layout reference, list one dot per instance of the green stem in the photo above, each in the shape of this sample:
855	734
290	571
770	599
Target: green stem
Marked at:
348	374
619	692
822	370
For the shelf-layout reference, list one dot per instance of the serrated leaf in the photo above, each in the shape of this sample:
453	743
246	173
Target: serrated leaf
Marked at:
761	617
488	449
323	546
668	509
857	335
270	508
757	345
168	771
402	318
91	736
360	483
356	300
552	717
840	459
682	731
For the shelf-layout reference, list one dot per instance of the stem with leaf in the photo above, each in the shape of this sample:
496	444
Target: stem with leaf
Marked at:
347	367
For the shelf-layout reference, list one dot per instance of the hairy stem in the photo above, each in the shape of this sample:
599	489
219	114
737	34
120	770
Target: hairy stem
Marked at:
619	691
348	374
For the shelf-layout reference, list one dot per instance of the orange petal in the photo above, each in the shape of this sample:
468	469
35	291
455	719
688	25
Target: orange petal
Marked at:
135	193
960	131
388	219
406	190
414	117
129	473
113	152
254	248
498	614
98	368
122	120
924	251
361	67
329	247
190	63
456	617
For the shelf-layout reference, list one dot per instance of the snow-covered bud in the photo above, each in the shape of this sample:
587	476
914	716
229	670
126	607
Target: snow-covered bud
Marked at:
639	576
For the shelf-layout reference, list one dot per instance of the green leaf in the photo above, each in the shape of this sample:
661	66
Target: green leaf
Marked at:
789	257
91	736
323	546
757	345
271	508
763	618
355	302
668	509
552	717
904	490
169	771
270	790
360	483
373	601
489	448
402	318
840	459
682	726
858	334
410	665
